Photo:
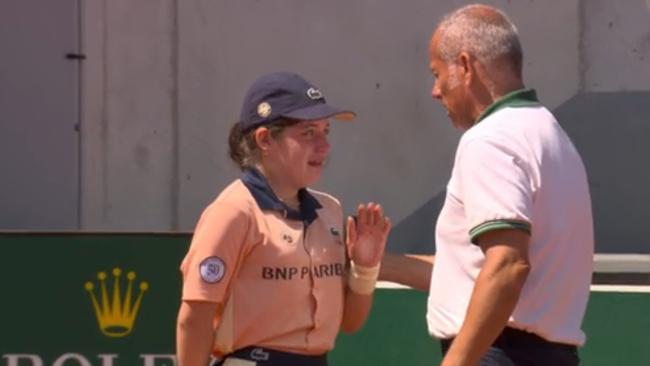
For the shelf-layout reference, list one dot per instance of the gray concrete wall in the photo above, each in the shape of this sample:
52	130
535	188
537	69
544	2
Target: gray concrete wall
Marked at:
129	120
615	45
163	82
222	46
611	130
39	155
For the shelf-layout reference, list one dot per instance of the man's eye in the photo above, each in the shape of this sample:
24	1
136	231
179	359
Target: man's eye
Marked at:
308	133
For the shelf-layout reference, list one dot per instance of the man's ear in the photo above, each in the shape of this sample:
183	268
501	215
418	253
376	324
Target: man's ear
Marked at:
263	139
466	67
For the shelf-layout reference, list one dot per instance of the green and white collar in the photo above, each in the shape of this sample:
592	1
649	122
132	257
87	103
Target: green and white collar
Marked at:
517	98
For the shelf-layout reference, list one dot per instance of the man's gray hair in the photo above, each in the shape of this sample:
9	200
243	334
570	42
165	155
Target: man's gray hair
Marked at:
482	31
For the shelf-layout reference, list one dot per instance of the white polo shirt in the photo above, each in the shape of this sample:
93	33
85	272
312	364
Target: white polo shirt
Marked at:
517	169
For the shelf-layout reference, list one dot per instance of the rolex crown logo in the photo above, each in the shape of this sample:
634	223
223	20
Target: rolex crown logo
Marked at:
115	315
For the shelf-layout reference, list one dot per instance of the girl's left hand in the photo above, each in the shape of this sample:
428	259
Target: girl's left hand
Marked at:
366	237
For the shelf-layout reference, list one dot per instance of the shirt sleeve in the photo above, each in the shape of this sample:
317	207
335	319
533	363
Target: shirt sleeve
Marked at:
496	188
218	246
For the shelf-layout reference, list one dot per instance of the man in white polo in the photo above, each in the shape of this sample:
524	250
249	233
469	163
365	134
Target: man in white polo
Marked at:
514	239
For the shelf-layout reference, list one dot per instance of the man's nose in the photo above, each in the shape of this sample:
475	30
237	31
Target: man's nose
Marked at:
435	92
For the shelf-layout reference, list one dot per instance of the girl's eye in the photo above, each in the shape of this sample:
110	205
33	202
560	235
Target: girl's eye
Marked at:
309	133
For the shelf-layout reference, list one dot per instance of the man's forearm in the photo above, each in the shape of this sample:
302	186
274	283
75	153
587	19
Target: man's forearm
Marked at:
407	269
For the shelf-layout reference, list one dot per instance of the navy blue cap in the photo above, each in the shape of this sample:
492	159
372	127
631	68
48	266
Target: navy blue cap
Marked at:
286	95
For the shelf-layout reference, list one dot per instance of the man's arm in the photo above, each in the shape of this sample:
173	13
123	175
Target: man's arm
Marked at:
407	269
495	295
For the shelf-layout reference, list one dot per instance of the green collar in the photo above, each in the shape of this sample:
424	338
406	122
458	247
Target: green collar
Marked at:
517	98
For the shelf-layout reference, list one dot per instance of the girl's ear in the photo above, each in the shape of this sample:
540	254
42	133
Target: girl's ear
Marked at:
263	139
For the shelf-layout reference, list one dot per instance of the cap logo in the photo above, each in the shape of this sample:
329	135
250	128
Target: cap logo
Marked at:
314	94
264	109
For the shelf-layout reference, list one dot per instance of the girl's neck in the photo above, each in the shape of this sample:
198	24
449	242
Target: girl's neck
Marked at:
284	191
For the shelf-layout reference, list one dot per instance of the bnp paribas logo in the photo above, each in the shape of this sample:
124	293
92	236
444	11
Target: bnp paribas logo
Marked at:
116	309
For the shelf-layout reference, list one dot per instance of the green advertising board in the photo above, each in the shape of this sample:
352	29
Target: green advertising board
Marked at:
111	300
48	312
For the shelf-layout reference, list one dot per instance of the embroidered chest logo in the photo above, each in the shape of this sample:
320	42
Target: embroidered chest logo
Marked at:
336	235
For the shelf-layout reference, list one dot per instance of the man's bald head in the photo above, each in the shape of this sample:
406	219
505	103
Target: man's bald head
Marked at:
483	32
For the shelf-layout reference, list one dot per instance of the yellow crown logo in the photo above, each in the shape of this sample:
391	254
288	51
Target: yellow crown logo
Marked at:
116	317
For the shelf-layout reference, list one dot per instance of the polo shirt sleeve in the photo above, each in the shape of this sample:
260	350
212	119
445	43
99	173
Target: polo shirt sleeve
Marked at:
497	190
218	246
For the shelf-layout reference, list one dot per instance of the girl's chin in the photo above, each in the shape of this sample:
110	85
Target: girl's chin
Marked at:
312	177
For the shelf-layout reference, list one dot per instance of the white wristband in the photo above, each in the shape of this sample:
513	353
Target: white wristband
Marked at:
362	280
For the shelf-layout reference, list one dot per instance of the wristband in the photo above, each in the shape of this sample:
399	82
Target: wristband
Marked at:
361	279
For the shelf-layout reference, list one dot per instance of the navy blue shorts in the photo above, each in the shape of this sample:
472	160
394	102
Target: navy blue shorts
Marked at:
268	357
516	347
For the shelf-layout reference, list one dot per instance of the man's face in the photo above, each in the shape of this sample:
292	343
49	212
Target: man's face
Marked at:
449	87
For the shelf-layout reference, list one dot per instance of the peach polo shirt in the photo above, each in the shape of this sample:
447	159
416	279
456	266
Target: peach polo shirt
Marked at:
277	273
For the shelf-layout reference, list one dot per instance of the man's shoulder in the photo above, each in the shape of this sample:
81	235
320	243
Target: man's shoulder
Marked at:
514	118
509	123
